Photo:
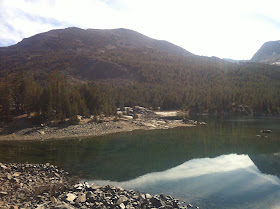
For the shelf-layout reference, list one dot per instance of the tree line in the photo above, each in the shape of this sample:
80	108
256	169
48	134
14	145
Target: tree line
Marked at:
195	84
53	99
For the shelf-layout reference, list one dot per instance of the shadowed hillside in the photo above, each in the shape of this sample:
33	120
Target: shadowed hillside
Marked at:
127	68
83	53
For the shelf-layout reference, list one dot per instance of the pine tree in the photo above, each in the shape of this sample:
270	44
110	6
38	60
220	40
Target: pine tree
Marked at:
5	98
18	88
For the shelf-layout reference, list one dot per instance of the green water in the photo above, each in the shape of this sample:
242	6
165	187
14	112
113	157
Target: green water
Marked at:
220	165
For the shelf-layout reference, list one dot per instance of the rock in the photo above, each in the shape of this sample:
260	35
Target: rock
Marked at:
53	199
162	196
128	117
156	202
71	197
89	194
122	206
81	198
3	166
16	174
175	204
42	132
16	180
136	197
91	197
189	206
148	196
64	206
86	185
143	196
95	187
121	199
40	206
45	186
3	194
9	176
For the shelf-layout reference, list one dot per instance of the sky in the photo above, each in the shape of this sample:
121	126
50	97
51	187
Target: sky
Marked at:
233	29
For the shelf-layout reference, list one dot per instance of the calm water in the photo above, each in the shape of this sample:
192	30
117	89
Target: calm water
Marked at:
221	165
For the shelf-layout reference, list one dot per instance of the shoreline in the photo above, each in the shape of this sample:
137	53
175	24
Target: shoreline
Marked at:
91	129
46	186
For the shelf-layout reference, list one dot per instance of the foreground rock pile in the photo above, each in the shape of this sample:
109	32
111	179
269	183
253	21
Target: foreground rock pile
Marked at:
46	186
26	185
94	196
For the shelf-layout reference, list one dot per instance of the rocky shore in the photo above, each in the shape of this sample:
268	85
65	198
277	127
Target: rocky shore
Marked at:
90	129
46	186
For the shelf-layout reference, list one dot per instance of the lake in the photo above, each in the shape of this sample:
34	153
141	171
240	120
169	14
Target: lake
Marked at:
221	165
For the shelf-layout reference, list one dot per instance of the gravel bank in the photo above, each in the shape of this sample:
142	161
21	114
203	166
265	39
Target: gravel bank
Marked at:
92	129
45	186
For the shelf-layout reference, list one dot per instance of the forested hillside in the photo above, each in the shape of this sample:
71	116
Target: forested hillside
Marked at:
201	85
53	100
62	73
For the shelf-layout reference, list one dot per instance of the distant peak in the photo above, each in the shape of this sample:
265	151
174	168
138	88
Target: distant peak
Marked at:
268	53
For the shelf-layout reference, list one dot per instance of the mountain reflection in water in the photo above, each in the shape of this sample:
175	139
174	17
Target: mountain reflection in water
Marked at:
220	165
227	181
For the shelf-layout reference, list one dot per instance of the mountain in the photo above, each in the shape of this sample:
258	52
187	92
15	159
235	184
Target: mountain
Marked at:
132	69
268	53
87	53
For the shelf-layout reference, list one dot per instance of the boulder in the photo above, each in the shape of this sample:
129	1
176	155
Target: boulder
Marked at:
121	199
42	132
16	174
95	187
3	166
157	202
9	176
189	206
70	197
82	198
148	196
122	206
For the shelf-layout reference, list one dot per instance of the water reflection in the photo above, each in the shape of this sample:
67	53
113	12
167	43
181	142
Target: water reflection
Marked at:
195	164
267	163
227	181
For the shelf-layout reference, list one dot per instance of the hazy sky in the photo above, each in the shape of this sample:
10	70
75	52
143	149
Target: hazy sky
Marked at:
224	28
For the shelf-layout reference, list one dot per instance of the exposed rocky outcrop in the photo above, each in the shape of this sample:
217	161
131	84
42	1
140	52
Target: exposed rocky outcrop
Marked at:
28	185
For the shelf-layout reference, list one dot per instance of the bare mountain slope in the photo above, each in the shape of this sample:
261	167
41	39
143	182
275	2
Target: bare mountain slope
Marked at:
268	53
90	54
